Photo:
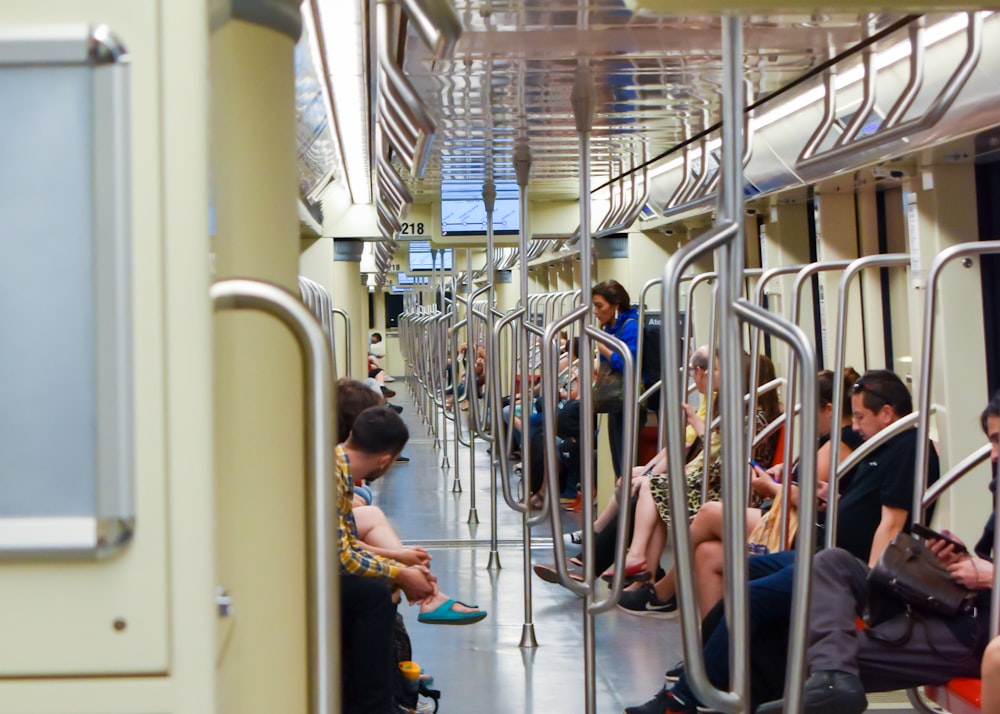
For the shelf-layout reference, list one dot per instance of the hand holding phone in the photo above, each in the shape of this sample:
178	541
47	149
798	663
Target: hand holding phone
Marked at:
926	533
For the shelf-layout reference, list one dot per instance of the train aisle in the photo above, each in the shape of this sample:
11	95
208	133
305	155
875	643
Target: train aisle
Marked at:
481	668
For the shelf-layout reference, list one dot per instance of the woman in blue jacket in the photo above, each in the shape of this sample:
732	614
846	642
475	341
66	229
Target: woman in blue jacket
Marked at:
616	316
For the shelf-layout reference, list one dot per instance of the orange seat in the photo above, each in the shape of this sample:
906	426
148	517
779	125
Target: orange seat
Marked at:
779	448
647	444
517	382
961	695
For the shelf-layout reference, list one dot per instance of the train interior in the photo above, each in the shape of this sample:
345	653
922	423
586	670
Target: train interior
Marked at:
211	207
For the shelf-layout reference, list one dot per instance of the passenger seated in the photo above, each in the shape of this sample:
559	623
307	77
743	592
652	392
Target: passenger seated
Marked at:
653	508
707	526
844	664
372	545
873	507
606	524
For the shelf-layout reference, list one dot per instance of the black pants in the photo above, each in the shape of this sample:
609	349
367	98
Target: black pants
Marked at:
605	539
367	620
615	438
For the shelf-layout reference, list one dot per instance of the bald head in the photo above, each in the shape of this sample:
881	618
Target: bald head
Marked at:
699	358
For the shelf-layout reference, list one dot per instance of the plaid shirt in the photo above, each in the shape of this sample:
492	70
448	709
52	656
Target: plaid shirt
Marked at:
353	557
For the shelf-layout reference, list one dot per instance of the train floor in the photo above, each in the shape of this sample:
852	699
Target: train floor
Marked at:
481	667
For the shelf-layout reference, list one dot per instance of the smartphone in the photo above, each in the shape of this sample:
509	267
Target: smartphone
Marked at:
926	533
755	465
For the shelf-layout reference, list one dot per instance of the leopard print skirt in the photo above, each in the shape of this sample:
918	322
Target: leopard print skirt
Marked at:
661	494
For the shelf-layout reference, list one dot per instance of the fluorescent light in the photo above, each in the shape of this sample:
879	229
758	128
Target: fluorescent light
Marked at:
343	33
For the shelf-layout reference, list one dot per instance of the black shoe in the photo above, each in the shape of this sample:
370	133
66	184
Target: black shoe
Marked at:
827	692
402	459
674	673
643	601
395	407
387	393
664	702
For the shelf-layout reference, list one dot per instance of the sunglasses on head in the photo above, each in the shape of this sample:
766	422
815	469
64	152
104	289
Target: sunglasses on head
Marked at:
865	387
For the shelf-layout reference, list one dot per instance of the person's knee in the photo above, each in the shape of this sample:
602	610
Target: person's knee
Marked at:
991	661
832	560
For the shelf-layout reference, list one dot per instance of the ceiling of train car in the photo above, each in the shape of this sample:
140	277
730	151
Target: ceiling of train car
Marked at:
657	83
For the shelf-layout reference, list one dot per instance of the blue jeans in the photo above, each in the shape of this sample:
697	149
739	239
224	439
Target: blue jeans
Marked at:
771	580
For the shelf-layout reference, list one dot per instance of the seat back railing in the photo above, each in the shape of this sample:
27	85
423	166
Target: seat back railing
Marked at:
725	240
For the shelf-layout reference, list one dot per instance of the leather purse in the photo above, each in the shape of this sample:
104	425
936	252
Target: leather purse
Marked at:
912	574
609	390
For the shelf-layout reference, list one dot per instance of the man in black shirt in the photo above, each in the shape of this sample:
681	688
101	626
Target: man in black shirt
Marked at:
845	663
874	507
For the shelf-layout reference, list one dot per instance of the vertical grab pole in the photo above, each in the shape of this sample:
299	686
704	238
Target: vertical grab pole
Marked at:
522	168
583	100
471	354
492	368
324	580
730	285
447	359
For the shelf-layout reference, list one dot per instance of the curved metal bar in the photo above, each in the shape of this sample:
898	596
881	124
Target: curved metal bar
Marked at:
671	396
501	428
916	74
798	630
624	488
437	23
868	91
829	114
801	279
941	104
347	334
550	399
927	358
324	581
839	358
954	474
685	173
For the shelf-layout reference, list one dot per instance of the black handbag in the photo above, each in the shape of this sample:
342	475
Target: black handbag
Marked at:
609	390
910	573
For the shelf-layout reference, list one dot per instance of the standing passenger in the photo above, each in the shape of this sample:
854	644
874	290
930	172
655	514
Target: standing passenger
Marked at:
616	316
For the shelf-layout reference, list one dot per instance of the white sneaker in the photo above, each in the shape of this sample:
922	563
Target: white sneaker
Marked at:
389	379
573	542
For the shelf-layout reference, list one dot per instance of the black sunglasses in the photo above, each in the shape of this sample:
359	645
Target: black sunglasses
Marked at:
865	387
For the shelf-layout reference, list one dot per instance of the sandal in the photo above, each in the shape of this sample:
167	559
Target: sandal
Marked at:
444	615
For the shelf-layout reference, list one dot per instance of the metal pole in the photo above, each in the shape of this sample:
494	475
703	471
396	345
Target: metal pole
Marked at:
472	353
324	580
492	370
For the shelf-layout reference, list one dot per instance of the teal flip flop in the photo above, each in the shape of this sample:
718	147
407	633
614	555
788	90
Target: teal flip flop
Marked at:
444	615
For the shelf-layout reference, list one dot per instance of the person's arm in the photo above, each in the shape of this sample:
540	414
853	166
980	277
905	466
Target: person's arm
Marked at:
893	520
694	420
406	556
630	336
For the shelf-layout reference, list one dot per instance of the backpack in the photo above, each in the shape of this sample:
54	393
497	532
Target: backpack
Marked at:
402	691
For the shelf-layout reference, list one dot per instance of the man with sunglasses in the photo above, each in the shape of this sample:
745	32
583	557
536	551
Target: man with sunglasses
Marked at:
845	663
874	505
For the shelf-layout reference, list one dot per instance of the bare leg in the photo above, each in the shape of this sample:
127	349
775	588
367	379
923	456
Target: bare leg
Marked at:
609	512
706	527
649	532
708	559
375	531
991	678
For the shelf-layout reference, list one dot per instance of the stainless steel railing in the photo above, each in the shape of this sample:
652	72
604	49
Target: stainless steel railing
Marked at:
324	581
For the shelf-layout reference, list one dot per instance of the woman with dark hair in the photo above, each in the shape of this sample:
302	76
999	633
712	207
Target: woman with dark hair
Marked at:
616	316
